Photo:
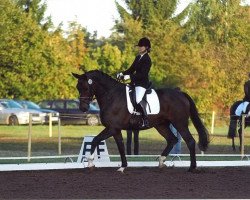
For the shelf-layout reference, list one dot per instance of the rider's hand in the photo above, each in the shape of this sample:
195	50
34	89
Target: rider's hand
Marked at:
126	77
119	75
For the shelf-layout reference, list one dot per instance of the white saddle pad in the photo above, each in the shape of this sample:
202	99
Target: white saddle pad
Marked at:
241	108
153	102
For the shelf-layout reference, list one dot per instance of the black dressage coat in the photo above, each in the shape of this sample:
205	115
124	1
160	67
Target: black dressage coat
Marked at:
139	70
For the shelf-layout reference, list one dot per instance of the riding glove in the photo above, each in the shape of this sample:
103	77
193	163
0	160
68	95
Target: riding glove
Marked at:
119	75
126	77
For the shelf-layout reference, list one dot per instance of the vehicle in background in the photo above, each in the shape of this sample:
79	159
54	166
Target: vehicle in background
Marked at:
70	112
34	106
12	113
95	103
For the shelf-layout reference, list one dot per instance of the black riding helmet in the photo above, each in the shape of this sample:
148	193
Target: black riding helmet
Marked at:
144	42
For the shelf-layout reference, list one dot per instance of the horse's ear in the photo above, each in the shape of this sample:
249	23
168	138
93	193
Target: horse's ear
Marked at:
76	75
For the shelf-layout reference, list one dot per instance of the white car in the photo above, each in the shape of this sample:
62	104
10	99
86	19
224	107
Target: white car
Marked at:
13	113
31	105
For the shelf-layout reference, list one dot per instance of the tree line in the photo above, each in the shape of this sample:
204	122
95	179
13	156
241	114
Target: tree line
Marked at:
204	50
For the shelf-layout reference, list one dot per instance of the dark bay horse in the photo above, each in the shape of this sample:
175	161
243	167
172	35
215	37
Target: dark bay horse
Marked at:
236	121
175	107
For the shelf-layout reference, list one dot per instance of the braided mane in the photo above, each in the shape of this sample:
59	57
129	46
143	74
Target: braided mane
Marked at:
103	78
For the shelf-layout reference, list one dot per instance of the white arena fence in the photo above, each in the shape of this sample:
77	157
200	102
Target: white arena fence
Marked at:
175	161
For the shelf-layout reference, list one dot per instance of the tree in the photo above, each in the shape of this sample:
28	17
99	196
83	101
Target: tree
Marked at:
76	40
109	59
219	31
33	63
36	9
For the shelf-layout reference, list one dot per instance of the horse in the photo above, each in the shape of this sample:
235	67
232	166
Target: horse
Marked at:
175	107
235	121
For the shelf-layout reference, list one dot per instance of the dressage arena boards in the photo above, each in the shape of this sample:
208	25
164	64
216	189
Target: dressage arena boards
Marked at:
77	165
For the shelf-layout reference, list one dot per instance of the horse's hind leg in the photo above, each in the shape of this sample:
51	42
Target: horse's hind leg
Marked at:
188	138
165	131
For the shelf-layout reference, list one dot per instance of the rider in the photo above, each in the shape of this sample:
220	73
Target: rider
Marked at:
138	73
247	90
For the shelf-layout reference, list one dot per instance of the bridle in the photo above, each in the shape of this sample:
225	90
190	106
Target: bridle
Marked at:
91	91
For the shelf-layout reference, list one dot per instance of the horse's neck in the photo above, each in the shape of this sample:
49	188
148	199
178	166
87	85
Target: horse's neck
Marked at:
100	94
104	90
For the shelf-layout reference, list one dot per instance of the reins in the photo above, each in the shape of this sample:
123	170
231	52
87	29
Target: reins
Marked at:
89	98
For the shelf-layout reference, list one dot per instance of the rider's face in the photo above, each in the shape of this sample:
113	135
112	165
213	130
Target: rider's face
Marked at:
142	49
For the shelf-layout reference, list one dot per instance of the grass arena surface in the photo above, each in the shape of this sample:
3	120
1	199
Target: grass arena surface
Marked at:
135	183
13	141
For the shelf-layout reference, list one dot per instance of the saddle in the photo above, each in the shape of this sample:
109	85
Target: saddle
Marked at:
132	95
151	101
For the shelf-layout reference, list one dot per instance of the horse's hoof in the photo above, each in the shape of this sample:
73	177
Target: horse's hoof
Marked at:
90	164
194	170
161	160
162	166
171	166
91	168
121	169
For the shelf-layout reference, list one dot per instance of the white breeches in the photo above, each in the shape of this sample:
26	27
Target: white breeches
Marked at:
139	93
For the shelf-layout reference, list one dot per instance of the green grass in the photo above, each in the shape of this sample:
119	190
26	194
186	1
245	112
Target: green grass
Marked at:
14	139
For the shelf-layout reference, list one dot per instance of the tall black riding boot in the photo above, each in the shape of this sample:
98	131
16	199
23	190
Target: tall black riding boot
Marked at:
144	114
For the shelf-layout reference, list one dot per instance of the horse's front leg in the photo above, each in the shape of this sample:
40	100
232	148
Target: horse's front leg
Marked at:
95	142
119	141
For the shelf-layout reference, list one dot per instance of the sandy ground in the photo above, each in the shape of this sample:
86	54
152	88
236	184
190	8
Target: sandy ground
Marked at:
135	183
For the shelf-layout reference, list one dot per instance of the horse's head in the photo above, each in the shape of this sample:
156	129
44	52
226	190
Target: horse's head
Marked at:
85	91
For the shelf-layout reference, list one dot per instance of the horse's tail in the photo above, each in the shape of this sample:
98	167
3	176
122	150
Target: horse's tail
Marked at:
201	129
